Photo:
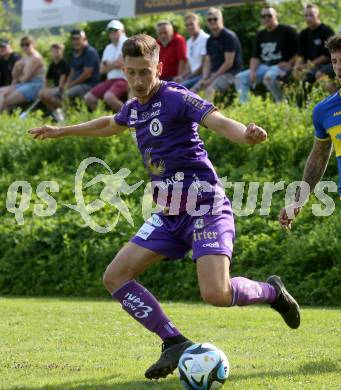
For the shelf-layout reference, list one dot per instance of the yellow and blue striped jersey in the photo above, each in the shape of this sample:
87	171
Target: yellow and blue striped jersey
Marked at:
327	123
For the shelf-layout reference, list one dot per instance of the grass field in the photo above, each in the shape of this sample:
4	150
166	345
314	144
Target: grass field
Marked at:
62	344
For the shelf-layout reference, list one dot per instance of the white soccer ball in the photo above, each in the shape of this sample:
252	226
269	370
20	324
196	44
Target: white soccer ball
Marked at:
203	367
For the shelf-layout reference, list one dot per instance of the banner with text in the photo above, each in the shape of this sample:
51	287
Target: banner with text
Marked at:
156	6
50	13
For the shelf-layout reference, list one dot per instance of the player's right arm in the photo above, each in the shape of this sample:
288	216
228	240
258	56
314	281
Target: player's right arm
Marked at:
105	126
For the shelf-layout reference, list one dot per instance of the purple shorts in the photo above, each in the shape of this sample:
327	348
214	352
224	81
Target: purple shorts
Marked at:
174	235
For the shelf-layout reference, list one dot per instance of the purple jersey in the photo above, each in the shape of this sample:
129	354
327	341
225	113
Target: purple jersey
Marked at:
166	130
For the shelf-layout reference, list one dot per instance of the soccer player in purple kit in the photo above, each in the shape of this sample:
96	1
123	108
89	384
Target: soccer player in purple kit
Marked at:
195	211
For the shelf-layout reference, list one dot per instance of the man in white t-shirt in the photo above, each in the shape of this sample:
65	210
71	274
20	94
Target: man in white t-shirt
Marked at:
196	51
115	87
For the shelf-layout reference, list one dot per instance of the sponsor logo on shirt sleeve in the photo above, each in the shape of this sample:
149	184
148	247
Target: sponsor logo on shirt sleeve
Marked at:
133	114
196	103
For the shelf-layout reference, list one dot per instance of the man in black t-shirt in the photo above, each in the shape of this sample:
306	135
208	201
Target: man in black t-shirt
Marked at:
7	60
56	77
274	53
313	57
223	59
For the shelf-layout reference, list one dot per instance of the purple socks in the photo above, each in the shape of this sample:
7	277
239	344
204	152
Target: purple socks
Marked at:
138	302
247	292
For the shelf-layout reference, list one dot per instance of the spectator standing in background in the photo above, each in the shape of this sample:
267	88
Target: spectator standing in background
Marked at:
273	57
313	56
27	77
196	51
223	59
56	76
172	50
84	72
116	86
7	60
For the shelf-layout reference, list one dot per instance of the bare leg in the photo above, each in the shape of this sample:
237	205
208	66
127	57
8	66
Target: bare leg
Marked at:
218	289
214	279
15	98
91	101
129	262
4	92
112	101
49	99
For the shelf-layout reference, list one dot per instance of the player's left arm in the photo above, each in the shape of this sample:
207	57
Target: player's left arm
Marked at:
233	130
314	170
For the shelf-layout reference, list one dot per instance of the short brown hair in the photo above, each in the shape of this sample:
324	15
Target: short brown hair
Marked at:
26	39
141	45
334	43
215	11
313	6
162	23
270	8
58	46
192	15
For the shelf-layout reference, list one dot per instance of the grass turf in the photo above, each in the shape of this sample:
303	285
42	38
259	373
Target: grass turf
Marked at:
62	344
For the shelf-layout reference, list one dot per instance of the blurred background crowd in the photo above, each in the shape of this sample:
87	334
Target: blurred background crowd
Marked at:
209	61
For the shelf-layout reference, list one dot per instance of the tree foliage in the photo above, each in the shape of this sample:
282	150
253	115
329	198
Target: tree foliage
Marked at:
6	8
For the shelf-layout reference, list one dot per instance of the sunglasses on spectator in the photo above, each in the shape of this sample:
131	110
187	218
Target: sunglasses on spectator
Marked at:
266	16
212	19
25	44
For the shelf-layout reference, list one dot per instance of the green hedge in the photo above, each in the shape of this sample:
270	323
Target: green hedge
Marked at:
57	255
